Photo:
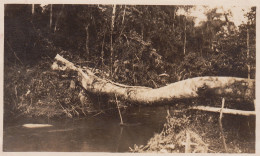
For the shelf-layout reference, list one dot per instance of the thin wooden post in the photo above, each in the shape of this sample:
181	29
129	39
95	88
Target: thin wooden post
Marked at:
220	125
121	119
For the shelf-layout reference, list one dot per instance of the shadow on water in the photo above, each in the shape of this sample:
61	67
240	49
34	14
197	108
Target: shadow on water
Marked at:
96	134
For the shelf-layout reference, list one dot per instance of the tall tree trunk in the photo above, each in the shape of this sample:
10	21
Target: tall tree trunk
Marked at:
123	16
184	44
32	9
111	37
51	16
202	43
248	62
174	14
58	18
87	39
102	50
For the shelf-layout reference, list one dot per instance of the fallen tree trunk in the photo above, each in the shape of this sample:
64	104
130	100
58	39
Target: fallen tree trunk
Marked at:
237	88
224	110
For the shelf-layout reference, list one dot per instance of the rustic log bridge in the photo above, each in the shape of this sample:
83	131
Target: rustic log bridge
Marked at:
228	87
224	110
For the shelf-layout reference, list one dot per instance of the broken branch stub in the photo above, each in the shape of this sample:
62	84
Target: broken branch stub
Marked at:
228	87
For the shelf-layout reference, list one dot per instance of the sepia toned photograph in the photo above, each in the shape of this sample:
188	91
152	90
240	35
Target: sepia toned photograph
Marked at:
124	78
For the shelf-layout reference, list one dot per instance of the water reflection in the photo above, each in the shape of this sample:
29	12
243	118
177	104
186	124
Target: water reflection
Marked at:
87	135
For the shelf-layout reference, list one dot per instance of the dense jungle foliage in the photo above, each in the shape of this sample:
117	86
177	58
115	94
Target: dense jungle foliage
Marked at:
129	44
135	45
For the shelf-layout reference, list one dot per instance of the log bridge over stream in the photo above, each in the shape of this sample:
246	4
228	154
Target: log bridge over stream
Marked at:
224	87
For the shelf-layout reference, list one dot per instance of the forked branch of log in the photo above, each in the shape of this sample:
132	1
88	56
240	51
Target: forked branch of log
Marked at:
228	87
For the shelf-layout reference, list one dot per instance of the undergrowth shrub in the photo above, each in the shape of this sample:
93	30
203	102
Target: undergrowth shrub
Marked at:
203	132
173	138
39	91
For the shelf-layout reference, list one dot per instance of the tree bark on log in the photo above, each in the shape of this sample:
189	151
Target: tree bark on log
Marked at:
228	87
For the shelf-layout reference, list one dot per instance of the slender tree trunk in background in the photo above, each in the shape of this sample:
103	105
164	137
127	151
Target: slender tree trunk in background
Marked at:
227	22
102	50
50	15
248	63
32	9
173	26
202	44
87	39
123	16
58	18
208	38
123	20
210	46
111	37
184	44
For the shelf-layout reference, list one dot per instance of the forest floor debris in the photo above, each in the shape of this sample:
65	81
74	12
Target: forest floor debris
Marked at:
198	133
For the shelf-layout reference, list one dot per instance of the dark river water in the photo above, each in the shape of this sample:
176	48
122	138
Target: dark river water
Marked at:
101	133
